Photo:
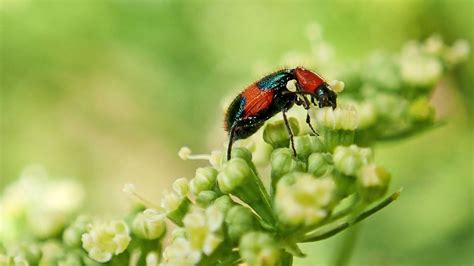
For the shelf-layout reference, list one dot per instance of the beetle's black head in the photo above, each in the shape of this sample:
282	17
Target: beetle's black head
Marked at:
325	96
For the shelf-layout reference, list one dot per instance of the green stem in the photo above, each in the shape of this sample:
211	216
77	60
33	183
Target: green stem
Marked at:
286	259
324	234
346	248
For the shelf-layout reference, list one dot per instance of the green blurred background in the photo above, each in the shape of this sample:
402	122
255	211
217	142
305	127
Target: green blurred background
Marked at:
108	91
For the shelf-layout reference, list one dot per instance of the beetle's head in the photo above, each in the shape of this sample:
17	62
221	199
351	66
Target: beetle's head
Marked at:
325	96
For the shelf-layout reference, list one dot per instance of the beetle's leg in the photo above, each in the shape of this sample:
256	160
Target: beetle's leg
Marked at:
241	129
306	107
231	141
290	131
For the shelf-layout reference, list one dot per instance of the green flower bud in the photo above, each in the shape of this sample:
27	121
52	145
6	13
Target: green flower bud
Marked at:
319	164
205	179
240	220
245	154
307	144
234	174
348	160
421	110
373	182
259	249
103	240
304	200
147	227
205	198
283	162
276	133
238	178
73	233
224	203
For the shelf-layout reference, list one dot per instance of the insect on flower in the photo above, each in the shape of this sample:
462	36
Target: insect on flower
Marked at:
268	96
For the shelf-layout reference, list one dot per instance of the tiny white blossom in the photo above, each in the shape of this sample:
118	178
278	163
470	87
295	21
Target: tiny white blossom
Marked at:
103	240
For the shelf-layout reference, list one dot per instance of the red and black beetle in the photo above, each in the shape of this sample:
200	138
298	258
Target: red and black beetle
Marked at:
263	99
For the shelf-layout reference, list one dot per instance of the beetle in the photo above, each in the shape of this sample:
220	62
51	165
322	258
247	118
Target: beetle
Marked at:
268	96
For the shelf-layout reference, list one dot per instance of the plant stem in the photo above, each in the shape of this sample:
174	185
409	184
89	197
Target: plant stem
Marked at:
286	259
346	248
318	235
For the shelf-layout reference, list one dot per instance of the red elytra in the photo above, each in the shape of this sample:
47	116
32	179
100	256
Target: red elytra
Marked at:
256	100
307	80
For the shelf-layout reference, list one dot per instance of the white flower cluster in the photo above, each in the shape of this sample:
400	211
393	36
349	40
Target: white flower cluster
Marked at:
103	240
203	233
37	205
342	118
303	199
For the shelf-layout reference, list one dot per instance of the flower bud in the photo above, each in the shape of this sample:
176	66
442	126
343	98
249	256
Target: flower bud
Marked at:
73	233
148	228
276	133
373	181
224	203
259	249
240	220
421	110
341	118
103	240
206	197
245	154
307	144
348	160
175	206
181	186
184	153
318	164
234	174
205	179
302	199
238	178
283	162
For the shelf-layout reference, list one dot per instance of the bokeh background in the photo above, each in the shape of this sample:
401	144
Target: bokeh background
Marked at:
106	92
